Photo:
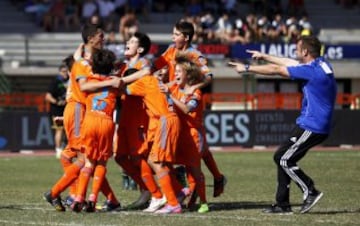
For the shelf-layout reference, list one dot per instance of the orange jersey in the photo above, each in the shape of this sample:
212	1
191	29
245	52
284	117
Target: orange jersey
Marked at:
194	119
164	125
133	103
102	101
168	59
98	126
193	134
133	118
156	102
139	64
80	70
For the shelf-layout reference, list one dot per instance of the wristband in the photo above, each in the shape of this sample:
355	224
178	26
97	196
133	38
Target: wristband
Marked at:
247	66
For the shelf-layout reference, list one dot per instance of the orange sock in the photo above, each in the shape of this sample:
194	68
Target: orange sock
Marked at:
211	164
164	179
71	173
108	192
149	180
99	175
66	162
83	182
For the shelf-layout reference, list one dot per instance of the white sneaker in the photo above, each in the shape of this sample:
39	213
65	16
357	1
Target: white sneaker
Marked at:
155	204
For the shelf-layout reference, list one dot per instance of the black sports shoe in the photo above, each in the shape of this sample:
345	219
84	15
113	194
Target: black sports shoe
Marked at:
275	209
219	185
310	202
192	202
55	202
77	206
90	207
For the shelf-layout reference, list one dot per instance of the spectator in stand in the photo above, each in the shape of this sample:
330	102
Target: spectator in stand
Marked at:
293	31
39	8
95	19
54	15
241	33
262	29
223	27
228	6
106	10
279	26
89	8
139	7
305	25
129	24
161	6
120	7
72	10
207	22
193	7
55	95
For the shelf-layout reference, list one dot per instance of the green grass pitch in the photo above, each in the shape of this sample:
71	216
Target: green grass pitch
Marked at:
251	187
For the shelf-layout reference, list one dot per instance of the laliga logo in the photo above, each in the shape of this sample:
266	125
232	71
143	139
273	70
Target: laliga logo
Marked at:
281	50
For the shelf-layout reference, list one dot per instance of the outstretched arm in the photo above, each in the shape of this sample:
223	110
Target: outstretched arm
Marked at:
267	69
94	86
281	61
135	76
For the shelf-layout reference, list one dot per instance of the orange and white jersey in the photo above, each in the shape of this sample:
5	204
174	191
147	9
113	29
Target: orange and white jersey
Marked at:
80	70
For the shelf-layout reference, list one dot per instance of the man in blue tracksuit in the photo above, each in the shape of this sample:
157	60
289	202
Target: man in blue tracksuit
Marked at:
312	126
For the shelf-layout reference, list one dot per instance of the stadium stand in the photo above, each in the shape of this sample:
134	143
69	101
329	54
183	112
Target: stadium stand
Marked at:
30	56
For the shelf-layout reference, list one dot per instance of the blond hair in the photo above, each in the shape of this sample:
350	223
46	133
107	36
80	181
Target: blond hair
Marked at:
192	70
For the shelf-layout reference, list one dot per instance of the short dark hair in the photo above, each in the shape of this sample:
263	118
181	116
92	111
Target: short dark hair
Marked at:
103	61
144	42
186	28
89	30
68	61
312	44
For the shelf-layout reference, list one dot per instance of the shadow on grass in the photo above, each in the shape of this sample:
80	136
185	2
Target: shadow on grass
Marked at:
325	212
13	207
217	206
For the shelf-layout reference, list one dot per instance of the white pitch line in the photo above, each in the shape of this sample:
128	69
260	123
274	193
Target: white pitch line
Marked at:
283	218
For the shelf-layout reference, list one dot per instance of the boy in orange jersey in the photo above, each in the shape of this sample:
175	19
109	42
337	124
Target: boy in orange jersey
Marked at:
189	109
131	134
164	129
97	137
183	33
93	38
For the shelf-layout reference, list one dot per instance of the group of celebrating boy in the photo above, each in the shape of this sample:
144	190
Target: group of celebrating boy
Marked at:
160	125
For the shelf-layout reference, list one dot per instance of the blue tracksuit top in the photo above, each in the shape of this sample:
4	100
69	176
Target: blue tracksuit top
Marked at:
319	94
